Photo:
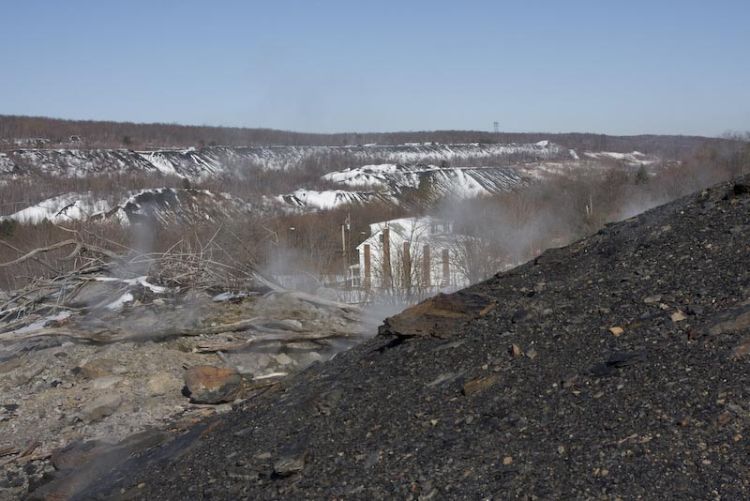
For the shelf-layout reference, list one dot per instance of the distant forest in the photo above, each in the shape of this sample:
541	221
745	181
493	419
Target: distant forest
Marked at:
41	132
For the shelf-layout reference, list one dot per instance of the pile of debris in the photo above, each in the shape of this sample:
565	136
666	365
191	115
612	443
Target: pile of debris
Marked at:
124	343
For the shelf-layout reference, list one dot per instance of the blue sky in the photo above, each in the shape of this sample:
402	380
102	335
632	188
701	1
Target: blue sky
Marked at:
622	67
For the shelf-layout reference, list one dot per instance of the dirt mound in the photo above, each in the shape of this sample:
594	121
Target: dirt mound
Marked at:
614	368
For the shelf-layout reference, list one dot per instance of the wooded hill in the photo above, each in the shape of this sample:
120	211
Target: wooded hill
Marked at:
24	132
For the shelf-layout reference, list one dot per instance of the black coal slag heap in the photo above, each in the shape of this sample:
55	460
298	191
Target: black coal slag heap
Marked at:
616	367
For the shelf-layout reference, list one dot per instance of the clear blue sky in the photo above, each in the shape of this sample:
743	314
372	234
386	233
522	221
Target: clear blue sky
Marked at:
621	67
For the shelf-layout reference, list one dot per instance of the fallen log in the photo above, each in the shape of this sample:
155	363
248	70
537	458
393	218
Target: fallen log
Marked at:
106	336
319	301
212	347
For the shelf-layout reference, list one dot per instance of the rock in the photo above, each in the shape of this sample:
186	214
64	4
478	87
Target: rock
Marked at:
732	321
162	383
724	418
478	385
515	351
678	316
289	463
569	381
283	359
100	367
212	385
100	408
652	299
616	331
740	350
106	382
507	460
438	316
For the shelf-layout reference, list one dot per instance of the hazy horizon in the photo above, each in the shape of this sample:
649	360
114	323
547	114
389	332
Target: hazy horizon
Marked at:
630	69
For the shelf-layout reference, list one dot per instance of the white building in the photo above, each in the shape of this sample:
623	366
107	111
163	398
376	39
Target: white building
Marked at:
411	254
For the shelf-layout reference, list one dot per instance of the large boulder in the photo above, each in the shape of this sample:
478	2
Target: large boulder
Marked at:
206	384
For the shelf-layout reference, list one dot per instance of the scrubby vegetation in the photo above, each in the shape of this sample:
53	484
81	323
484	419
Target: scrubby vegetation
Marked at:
511	227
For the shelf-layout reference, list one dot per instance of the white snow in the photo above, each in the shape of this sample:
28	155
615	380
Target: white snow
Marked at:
633	158
63	208
142	281
120	302
201	163
164	203
328	199
455	181
229	296
39	324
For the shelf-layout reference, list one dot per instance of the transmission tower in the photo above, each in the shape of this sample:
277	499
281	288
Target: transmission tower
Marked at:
497	126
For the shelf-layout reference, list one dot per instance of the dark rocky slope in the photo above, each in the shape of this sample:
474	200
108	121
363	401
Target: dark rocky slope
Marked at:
612	368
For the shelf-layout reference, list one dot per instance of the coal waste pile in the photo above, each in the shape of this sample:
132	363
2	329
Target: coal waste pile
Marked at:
614	368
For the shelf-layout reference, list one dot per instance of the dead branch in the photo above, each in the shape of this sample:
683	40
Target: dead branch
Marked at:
59	245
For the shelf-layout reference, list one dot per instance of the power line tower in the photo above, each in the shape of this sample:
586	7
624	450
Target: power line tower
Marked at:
497	127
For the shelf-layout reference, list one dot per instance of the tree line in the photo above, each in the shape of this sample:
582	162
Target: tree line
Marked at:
25	131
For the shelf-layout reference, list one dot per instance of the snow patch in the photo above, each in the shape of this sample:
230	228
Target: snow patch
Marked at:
119	303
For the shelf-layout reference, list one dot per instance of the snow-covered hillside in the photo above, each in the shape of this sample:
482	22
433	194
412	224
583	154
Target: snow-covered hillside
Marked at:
330	199
361	174
634	158
202	163
458	181
63	208
163	205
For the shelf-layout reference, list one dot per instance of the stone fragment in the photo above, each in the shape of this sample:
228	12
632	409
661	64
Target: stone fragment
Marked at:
289	463
616	331
100	367
283	359
569	381
656	298
741	350
724	418
507	460
478	385
212	385
678	316
732	321
531	354
515	351
100	408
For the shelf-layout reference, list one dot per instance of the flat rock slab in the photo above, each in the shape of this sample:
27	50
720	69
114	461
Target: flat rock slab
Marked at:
438	316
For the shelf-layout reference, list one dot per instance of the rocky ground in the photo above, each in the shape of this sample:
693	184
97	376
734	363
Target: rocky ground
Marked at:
614	368
94	368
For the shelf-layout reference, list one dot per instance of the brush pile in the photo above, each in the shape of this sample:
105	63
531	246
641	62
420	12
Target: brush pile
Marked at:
105	350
